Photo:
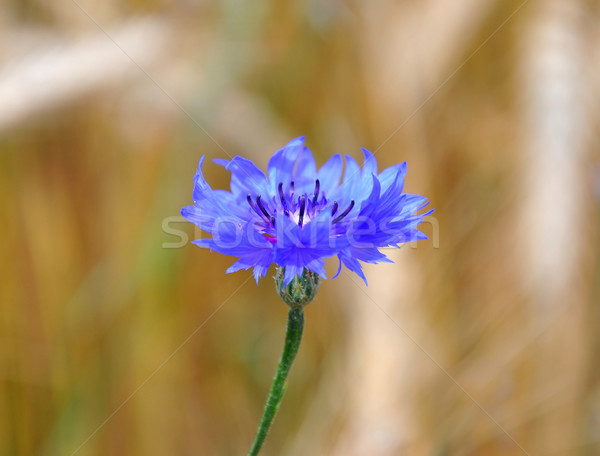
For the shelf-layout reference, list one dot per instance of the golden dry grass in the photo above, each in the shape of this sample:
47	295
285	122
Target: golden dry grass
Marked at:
485	344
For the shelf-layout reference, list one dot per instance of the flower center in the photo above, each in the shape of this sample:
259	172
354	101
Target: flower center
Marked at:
300	209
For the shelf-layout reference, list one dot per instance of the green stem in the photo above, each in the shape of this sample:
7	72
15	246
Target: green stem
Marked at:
292	343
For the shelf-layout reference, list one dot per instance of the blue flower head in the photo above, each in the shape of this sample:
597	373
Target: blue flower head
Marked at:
297	215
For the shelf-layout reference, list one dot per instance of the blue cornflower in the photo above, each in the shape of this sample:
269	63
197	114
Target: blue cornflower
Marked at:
297	215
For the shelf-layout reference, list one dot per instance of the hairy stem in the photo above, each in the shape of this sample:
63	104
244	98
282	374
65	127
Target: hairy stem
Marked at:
293	336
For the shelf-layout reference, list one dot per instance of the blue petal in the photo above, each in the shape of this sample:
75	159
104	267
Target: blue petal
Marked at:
330	173
245	177
352	264
369	164
211	205
260	261
317	266
281	165
370	204
389	175
260	271
237	239
200	184
373	256
339	268
300	247
198	217
352	173
291	271
306	166
356	185
350	189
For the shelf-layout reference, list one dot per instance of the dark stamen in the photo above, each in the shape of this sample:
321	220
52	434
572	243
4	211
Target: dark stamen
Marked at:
250	202
256	209
262	207
333	209
272	220
302	207
282	198
345	213
317	188
293	207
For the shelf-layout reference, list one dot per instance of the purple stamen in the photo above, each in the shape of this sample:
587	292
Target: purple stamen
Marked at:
282	198
317	188
250	202
302	207
262	207
292	193
345	213
256	209
333	209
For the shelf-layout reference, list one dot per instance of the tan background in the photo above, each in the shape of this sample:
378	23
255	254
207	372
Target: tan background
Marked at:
483	340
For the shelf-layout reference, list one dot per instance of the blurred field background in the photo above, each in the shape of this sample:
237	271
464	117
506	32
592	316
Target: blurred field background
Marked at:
484	344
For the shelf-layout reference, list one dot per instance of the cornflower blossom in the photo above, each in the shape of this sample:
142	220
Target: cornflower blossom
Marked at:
296	216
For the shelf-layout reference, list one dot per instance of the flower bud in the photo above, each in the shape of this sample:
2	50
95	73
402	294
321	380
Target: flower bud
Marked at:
300	291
